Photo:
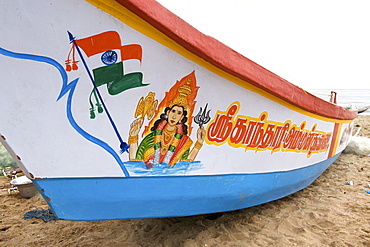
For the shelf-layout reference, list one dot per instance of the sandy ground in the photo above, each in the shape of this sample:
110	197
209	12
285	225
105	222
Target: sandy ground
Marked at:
327	213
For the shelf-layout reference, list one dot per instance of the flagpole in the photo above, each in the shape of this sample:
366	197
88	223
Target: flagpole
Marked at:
123	145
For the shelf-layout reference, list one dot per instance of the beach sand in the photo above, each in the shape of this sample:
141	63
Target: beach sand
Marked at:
327	213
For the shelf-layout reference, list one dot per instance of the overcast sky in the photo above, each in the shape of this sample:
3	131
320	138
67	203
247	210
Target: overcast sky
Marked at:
315	44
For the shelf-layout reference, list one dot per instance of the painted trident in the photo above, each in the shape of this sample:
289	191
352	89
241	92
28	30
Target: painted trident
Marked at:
203	116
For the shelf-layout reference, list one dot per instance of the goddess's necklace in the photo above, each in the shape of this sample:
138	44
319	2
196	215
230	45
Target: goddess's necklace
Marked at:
167	137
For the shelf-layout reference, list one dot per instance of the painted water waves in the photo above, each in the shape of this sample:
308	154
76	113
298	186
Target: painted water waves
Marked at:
139	168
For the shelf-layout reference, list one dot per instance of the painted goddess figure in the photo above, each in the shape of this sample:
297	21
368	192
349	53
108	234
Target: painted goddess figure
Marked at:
168	141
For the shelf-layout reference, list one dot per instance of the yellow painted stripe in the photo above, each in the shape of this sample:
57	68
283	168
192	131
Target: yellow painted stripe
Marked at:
337	140
123	14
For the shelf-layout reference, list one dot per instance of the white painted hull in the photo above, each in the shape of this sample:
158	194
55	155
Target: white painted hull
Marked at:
257	124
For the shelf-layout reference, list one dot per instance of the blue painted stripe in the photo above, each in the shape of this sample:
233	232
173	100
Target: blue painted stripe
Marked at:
153	197
68	87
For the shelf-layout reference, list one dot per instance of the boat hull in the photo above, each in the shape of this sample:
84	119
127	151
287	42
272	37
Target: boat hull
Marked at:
133	113
155	197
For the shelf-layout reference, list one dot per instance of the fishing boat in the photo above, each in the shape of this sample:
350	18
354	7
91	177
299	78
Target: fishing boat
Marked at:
363	109
120	109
